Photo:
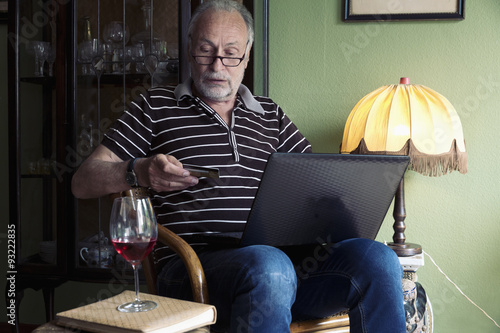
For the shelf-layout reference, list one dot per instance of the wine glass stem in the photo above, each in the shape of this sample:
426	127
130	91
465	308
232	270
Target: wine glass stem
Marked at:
153	85
41	63
37	67
136	282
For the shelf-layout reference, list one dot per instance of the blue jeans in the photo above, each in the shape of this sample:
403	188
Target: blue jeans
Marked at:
262	289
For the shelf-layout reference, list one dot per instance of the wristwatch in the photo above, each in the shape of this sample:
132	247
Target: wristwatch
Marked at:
130	176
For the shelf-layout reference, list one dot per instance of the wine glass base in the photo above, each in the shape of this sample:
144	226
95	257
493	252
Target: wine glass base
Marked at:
137	306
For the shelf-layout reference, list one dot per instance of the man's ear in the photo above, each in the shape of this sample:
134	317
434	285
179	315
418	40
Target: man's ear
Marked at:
188	51
247	55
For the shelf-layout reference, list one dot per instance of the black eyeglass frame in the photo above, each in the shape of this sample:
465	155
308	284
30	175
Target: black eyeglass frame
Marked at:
221	58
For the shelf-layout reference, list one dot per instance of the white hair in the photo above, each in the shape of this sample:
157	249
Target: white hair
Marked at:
223	5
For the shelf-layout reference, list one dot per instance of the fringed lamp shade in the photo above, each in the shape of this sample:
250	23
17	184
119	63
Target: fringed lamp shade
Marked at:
409	120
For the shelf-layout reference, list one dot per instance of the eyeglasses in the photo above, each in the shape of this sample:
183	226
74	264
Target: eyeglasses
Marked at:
226	61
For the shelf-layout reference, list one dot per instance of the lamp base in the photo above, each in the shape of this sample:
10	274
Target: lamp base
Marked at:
405	249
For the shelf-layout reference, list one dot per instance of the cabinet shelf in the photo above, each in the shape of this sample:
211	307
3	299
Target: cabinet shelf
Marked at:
128	79
36	260
167	73
42	80
30	176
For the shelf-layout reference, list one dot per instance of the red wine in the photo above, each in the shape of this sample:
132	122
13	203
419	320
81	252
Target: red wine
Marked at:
134	249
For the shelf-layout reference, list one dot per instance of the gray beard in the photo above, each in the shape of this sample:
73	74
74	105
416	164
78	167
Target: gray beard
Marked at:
216	93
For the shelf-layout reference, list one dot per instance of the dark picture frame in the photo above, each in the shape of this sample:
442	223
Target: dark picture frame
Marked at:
402	10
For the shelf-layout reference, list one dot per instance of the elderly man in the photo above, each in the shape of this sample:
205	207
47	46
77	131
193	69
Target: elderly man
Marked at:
213	120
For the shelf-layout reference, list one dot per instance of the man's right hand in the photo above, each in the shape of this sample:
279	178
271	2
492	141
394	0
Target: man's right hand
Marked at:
163	173
103	173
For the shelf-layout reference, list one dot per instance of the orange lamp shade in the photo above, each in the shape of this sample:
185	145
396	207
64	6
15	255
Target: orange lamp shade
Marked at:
412	120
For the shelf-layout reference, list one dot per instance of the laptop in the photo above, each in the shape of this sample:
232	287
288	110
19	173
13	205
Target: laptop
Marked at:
306	199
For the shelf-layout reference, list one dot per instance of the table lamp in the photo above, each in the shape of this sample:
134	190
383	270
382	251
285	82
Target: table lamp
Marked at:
411	120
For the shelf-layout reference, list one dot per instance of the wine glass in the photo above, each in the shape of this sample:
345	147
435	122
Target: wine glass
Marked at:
85	56
43	57
51	58
133	232
37	49
160	50
116	33
129	57
90	55
139	57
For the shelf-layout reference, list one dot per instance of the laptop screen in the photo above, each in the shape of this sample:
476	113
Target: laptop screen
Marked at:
309	198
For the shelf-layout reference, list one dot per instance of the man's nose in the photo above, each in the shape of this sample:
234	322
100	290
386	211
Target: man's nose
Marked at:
217	65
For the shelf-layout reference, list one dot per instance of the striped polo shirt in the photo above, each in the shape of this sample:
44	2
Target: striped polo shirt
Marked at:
172	121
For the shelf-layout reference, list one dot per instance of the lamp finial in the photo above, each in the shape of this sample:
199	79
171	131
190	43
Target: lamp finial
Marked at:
404	80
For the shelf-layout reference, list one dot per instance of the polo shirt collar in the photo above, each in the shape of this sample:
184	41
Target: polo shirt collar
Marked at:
184	90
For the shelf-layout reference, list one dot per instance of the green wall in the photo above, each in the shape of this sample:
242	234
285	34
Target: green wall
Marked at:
320	67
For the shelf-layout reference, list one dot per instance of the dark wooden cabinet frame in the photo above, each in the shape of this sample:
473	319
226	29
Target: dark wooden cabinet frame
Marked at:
39	276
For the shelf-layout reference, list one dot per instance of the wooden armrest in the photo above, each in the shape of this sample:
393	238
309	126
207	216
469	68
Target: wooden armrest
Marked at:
190	259
133	192
339	321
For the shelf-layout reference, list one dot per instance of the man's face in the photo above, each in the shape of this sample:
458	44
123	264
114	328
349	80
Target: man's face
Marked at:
218	34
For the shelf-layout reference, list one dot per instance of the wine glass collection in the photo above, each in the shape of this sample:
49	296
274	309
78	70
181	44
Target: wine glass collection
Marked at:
44	53
113	54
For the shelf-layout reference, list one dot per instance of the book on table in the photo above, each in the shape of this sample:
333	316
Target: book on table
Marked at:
171	316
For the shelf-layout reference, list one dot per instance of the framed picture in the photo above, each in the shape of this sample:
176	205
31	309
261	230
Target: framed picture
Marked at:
4	10
398	10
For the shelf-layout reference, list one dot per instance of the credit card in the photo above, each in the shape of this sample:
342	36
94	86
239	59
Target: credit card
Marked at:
198	171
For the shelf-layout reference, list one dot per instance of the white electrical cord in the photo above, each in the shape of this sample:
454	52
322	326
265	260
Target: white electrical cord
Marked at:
453	283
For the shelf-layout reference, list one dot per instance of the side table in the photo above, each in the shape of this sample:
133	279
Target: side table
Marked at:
46	284
418	309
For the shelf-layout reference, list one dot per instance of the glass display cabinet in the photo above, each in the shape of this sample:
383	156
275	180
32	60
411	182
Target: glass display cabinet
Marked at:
74	66
120	48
